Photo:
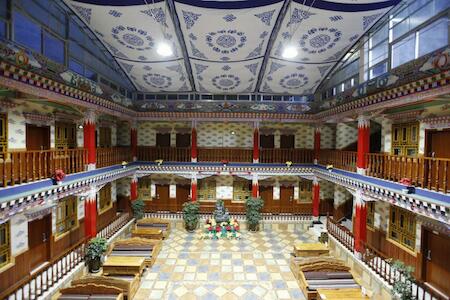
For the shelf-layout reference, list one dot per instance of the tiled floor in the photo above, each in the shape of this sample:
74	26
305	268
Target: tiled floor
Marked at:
254	267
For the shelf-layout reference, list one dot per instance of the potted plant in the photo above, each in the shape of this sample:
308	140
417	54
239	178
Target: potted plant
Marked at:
58	176
94	252
402	287
190	215
253	214
137	207
409	188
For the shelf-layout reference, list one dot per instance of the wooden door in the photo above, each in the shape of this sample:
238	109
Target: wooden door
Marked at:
163	140
39	232
287	141
37	138
266	194
436	262
183	140
286	199
162	197
267	141
182	195
437	146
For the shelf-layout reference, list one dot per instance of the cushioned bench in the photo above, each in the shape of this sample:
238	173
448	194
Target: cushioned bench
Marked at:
148	233
90	291
127	285
155	223
137	247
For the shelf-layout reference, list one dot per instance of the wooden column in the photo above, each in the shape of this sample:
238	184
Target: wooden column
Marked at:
90	213
133	141
194	142
255	187
316	199
363	144
89	139
134	188
256	143
359	227
316	144
194	187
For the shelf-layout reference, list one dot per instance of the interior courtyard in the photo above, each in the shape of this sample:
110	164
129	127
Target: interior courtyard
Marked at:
224	149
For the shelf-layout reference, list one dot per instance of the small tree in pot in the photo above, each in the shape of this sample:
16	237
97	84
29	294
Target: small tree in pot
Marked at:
94	252
137	207
190	215
253	216
402	287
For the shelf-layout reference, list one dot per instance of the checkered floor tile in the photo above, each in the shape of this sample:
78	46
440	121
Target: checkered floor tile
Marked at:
254	267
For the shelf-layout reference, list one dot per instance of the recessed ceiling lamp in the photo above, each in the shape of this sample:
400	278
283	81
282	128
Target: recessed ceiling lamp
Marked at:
289	52
233	133
164	49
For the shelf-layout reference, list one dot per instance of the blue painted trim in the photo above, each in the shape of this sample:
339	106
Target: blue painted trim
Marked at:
225	62
272	39
347	7
148	61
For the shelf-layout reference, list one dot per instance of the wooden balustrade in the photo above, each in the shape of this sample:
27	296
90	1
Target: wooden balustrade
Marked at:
228	154
112	156
146	153
278	155
378	262
18	167
425	172
345	160
34	286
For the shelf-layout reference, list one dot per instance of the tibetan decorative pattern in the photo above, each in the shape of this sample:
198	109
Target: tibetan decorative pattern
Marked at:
226	82
226	41
318	40
294	81
157	80
133	38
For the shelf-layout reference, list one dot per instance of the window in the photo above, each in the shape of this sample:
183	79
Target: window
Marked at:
433	37
287	141
371	215
65	135
66	215
183	140
105	201
404	50
241	190
26	32
2	29
402	227
267	141
3	133
305	190
207	189
76	67
54	48
105	137
90	74
405	139
163	140
5	251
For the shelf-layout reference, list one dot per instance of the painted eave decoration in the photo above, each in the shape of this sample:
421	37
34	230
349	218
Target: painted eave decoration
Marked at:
228	46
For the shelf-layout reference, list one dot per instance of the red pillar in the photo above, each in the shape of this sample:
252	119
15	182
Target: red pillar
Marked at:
194	143
316	199
134	188
316	144
256	145
133	141
194	188
363	144
255	187
90	214
359	227
89	139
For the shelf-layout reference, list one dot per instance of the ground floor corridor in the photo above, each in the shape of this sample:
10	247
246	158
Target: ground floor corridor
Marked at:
253	267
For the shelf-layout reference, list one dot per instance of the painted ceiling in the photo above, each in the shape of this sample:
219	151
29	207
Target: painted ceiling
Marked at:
228	46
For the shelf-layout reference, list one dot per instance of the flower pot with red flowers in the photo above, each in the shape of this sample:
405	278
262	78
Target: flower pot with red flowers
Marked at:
58	177
408	187
224	162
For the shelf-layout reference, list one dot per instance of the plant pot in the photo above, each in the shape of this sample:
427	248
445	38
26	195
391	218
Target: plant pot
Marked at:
94	265
409	190
253	227
56	182
191	227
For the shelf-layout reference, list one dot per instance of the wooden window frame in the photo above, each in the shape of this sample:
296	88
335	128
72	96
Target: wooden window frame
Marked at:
370	221
104	195
398	232
5	249
241	189
207	187
4	134
406	140
69	218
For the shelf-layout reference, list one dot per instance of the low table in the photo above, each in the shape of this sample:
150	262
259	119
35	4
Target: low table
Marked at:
148	233
340	294
310	249
123	265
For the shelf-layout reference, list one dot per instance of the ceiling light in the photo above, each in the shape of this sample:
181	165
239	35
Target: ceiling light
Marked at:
233	133
80	126
164	49
289	52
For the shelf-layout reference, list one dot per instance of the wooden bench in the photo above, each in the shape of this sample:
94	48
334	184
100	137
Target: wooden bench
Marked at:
123	265
147	233
341	294
90	291
321	272
310	249
136	247
155	223
128	285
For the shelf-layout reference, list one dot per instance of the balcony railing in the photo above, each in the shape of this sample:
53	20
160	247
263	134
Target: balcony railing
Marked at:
345	160
18	167
147	153
378	262
283	155
112	156
228	154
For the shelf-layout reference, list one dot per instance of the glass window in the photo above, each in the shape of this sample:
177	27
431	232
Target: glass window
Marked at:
53	48
2	29
4	9
90	74
4	244
66	214
379	36
26	32
400	29
378	70
402	227
378	53
422	15
76	67
403	51
433	37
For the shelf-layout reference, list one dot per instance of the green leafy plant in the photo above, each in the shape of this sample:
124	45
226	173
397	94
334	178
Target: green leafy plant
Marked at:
253	215
138	208
191	211
94	252
402	287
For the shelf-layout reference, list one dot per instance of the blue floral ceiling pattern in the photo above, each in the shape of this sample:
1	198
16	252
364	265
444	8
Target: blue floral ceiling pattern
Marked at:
229	46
